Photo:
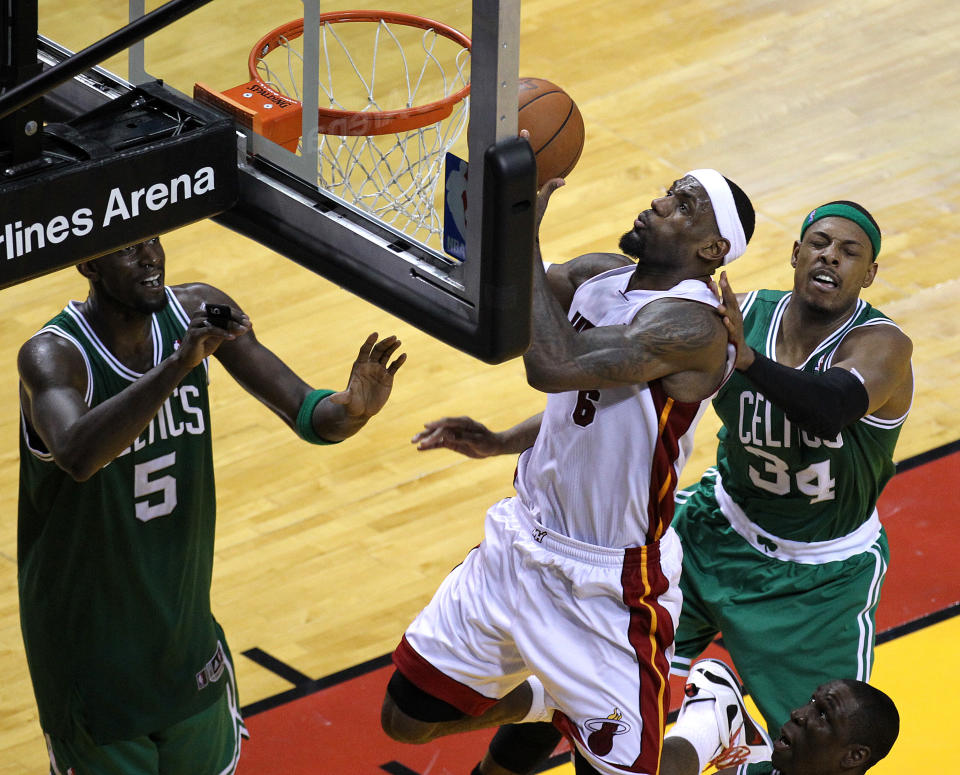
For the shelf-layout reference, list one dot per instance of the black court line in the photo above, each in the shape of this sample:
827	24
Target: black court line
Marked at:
928	457
306	686
918	624
274	665
395	768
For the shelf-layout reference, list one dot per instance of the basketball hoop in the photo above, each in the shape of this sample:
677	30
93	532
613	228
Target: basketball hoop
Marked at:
396	90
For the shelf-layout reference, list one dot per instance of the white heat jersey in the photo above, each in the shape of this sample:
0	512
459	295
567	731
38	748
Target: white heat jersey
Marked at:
605	464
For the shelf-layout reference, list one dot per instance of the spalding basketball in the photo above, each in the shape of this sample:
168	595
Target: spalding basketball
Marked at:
555	125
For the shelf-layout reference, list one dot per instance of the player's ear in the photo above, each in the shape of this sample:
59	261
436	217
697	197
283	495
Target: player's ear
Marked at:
715	250
89	269
871	275
796	252
855	757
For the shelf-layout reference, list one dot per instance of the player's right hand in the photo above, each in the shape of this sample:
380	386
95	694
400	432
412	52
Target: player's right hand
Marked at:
202	338
729	310
460	434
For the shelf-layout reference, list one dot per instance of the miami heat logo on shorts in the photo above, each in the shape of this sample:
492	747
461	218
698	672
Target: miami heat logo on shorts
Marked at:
603	730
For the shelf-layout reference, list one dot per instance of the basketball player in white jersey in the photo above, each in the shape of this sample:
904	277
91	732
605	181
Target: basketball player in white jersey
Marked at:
571	601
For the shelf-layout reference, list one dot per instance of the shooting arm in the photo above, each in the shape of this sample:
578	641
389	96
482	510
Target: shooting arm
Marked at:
667	338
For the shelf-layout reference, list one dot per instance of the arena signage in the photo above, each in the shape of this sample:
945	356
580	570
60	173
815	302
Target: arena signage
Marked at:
70	212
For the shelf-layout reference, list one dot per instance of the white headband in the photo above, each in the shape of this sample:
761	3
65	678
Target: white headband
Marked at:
725	210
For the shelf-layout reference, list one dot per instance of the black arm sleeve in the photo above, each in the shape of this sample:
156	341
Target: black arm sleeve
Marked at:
820	403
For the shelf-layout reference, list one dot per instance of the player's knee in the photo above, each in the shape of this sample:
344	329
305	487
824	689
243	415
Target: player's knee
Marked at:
401	727
411	715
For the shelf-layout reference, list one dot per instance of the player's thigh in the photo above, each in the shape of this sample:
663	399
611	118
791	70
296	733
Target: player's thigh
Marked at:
697	628
605	665
612	698
465	632
816	624
207	743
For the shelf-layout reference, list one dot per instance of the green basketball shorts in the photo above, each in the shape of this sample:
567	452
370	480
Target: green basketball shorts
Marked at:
789	626
207	743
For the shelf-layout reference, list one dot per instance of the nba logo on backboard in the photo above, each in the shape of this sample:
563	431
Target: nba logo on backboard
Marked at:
455	207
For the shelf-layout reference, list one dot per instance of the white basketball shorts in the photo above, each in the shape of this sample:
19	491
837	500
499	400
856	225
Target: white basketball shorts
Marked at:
596	626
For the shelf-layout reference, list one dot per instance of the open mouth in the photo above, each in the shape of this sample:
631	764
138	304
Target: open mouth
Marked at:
153	281
782	743
825	280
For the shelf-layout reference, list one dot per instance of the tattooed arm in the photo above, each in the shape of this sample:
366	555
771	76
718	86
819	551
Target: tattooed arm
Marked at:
681	341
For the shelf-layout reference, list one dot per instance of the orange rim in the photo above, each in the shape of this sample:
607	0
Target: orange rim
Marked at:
356	122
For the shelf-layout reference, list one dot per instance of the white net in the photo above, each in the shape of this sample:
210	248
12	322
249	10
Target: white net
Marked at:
379	67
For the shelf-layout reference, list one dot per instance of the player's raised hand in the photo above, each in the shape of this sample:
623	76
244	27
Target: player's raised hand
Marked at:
543	197
460	434
729	309
371	377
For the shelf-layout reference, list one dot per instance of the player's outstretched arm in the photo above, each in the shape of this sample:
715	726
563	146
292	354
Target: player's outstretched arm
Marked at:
871	374
474	439
342	414
318	416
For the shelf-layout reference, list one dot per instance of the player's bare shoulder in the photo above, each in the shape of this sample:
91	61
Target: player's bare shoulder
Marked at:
880	332
690	337
582	268
680	325
564	279
192	296
47	359
880	353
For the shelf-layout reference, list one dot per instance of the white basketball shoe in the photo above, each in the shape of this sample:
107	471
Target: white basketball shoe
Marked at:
742	739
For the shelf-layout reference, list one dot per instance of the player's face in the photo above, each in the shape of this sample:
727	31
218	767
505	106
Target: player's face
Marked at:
832	264
133	276
816	737
675	225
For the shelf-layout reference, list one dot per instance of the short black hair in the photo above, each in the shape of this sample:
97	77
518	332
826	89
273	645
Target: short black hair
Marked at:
877	722
748	218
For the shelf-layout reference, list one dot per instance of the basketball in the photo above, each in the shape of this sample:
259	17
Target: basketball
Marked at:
555	125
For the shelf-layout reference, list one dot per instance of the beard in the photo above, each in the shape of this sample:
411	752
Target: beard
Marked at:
632	243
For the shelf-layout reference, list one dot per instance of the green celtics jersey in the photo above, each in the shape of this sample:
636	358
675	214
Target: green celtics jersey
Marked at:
761	768
114	572
792	484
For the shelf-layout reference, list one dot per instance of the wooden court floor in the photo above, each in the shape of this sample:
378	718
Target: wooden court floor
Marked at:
325	554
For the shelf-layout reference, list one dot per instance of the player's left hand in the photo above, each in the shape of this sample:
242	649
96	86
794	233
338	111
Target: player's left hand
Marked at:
543	197
729	310
371	377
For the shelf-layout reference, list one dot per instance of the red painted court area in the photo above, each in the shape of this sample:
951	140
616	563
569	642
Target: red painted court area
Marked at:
336	731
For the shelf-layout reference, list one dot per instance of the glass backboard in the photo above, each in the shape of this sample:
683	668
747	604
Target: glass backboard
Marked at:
394	169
